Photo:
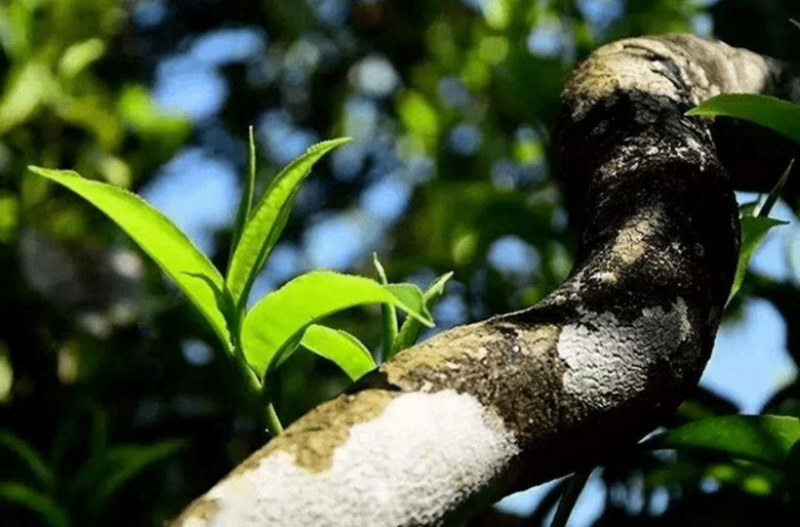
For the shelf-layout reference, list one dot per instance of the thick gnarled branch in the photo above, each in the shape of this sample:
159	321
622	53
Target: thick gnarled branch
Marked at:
489	408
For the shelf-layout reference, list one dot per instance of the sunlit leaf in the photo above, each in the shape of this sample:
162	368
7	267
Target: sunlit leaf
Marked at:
170	248
268	220
388	312
28	455
246	203
341	348
40	504
409	332
778	115
282	315
765	438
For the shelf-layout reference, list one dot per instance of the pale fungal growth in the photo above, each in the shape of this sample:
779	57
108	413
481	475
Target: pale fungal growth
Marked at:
406	455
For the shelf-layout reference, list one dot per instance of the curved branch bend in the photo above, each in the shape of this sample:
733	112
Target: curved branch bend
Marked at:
489	408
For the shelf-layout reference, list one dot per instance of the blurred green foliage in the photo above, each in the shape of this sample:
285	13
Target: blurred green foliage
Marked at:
450	104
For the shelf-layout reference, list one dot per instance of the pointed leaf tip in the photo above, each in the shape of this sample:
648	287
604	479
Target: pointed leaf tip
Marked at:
268	219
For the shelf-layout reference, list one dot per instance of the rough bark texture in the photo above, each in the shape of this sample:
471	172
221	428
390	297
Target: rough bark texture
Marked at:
494	407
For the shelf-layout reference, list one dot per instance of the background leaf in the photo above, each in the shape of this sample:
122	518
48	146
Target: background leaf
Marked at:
28	455
262	231
339	347
276	319
778	115
167	245
40	504
100	480
764	439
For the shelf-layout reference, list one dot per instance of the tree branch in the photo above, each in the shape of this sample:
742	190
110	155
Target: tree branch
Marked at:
488	408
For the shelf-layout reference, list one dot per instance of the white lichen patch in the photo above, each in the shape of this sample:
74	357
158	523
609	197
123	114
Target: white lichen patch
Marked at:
631	241
422	456
608	360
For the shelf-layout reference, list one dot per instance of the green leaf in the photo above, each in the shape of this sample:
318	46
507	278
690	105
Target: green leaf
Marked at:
28	455
341	348
79	56
33	500
570	497
755	226
776	114
246	203
388	312
409	332
170	248
262	231
286	313
764	439
100	480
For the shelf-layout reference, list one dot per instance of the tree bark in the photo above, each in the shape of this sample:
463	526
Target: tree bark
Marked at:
489	408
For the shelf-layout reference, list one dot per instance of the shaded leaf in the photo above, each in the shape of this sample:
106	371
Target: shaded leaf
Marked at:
106	475
764	439
278	318
755	226
28	455
776	114
339	347
409	332
167	245
754	232
262	231
570	497
41	504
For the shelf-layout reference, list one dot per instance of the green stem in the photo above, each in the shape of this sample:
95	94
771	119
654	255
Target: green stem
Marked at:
273	422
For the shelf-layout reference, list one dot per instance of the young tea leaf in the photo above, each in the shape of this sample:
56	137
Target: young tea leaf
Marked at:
170	248
409	332
278	318
759	438
778	115
262	231
388	312
246	204
339	347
